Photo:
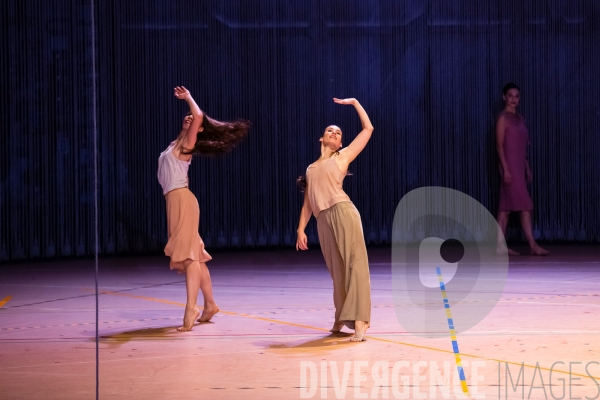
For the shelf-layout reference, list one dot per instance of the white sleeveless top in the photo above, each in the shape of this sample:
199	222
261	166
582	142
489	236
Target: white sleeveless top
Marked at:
172	172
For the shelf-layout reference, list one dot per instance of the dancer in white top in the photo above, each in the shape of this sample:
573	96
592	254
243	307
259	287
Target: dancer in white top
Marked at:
199	134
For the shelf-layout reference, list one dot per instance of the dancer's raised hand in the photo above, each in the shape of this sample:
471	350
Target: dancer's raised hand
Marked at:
181	92
344	101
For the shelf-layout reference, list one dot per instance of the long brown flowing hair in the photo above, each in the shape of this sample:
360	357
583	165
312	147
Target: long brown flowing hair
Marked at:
218	137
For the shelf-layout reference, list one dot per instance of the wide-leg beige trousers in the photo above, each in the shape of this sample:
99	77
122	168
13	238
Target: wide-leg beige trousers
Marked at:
343	246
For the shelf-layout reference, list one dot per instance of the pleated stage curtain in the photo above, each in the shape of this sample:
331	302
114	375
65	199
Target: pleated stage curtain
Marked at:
429	73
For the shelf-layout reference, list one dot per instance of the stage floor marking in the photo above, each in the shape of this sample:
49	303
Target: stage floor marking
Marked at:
234	314
5	300
459	366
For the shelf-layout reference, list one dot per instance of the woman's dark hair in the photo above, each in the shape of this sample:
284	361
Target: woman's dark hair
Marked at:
509	86
218	137
301	182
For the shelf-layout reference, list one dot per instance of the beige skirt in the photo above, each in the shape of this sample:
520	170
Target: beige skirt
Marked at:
183	219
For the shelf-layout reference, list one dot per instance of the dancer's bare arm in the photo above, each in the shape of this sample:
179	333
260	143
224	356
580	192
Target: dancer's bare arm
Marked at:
302	240
189	140
500	135
528	173
348	154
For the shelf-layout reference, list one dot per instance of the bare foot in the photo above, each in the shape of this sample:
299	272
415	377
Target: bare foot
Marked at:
337	326
188	319
504	250
208	313
538	251
359	332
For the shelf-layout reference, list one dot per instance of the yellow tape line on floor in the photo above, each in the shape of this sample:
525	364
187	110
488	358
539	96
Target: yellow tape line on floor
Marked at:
368	337
220	311
4	300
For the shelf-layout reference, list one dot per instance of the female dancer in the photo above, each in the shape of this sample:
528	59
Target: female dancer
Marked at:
199	134
512	140
339	225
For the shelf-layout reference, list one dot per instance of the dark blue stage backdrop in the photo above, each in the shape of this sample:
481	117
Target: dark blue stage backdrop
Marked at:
429	73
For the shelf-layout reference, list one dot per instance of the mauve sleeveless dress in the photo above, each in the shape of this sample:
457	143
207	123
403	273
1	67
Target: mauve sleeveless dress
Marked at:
514	197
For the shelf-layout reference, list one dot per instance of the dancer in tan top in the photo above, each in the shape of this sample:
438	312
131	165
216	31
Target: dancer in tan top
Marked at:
339	225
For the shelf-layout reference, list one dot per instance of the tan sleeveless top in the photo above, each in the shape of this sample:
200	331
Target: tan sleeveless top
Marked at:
324	185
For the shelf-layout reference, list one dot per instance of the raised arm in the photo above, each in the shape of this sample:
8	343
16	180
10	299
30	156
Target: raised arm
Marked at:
500	135
302	241
189	137
358	144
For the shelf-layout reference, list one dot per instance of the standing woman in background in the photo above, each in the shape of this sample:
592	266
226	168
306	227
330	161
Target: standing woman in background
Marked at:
512	139
199	134
339	225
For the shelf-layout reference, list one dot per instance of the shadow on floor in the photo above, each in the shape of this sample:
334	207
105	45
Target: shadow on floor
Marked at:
330	342
167	332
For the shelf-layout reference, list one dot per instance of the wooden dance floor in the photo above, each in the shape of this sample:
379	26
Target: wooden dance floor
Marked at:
271	339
